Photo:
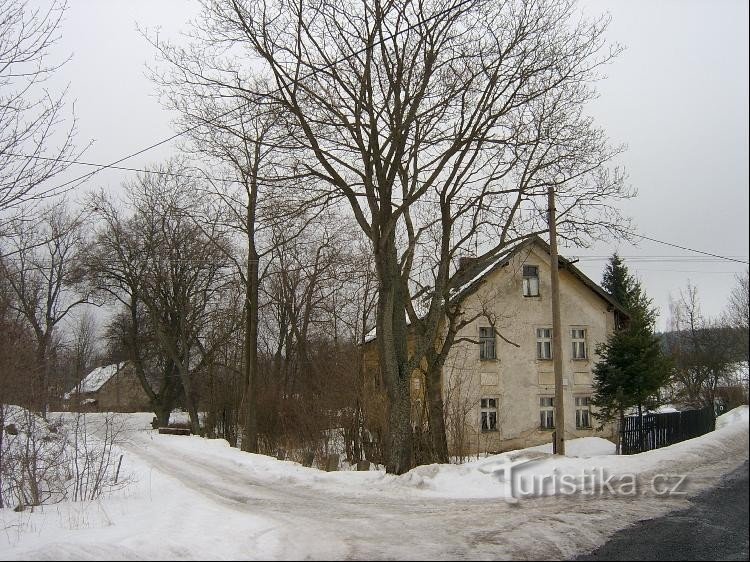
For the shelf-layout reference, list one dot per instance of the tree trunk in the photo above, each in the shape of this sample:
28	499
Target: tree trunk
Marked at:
250	437
393	355
41	394
434	394
436	415
162	414
190	403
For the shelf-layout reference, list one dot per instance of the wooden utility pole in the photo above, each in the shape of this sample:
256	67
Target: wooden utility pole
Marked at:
556	327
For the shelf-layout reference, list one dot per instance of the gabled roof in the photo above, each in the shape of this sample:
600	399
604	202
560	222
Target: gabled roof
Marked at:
475	277
96	379
472	277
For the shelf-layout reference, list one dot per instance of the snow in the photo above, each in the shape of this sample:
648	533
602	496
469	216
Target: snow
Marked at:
195	498
738	416
666	409
96	379
583	447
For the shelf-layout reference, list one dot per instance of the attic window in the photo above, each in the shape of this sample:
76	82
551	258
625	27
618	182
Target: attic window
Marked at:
530	281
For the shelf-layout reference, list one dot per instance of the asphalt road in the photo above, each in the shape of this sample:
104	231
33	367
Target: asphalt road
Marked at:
714	527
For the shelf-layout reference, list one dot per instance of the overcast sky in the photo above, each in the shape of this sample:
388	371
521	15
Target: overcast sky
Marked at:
677	96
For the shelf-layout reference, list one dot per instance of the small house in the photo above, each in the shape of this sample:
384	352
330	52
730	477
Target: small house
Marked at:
110	388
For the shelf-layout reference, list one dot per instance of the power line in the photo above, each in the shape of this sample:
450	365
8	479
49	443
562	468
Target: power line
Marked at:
673	245
687	271
85	177
150	171
657	259
709	255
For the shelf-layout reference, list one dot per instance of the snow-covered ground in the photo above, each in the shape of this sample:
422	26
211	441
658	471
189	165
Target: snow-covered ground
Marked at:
192	498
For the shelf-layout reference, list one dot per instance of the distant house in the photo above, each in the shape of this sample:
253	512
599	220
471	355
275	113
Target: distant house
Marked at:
111	388
498	382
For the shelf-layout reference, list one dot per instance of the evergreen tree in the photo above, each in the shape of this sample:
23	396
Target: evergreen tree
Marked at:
627	290
633	366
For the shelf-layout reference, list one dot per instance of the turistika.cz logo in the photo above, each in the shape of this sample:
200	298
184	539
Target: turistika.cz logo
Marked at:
591	481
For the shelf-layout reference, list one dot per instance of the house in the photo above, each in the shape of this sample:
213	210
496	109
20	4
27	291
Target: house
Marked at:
110	388
498	380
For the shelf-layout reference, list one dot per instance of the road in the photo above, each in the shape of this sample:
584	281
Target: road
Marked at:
714	527
336	523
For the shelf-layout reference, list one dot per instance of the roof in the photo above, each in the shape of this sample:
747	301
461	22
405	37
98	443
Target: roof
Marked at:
475	278
96	379
471	278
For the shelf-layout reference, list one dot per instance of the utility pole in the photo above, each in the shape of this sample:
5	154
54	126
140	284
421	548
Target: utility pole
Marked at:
556	327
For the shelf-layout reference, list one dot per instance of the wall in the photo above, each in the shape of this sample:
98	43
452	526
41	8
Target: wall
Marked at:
517	379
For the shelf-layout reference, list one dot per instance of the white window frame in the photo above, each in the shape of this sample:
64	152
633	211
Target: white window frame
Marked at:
544	344
530	281
583	410
488	414
578	340
547	412
487	344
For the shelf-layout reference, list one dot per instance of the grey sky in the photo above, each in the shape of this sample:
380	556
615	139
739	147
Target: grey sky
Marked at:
677	96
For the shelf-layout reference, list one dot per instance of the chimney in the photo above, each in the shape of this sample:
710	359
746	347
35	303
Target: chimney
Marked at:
465	261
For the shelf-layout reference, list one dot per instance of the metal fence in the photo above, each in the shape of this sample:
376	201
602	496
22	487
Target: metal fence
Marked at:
652	431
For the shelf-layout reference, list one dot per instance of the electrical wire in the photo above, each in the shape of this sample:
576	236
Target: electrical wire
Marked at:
709	256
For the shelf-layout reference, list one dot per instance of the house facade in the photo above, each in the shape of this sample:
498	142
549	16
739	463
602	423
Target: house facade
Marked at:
110	388
498	380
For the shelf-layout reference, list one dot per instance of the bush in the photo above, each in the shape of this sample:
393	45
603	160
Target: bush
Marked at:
43	462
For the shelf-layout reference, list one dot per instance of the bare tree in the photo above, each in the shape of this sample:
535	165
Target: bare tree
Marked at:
701	350
172	280
17	342
307	344
442	124
42	274
738	312
83	347
243	135
115	265
185	276
35	144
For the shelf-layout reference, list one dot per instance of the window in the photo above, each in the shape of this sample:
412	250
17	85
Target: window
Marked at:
487	343
578	336
530	281
583	412
546	412
544	343
489	414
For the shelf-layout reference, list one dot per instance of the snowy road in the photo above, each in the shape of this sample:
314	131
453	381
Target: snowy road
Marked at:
194	499
346	522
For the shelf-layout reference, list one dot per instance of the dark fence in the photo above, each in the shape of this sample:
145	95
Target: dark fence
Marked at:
652	431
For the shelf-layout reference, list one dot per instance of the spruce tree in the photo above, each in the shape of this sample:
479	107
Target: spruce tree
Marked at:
633	367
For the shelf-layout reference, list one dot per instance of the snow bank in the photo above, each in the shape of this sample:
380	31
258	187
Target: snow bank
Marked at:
483	478
583	447
538	472
737	416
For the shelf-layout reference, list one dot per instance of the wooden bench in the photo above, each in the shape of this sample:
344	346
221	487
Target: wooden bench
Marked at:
175	431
